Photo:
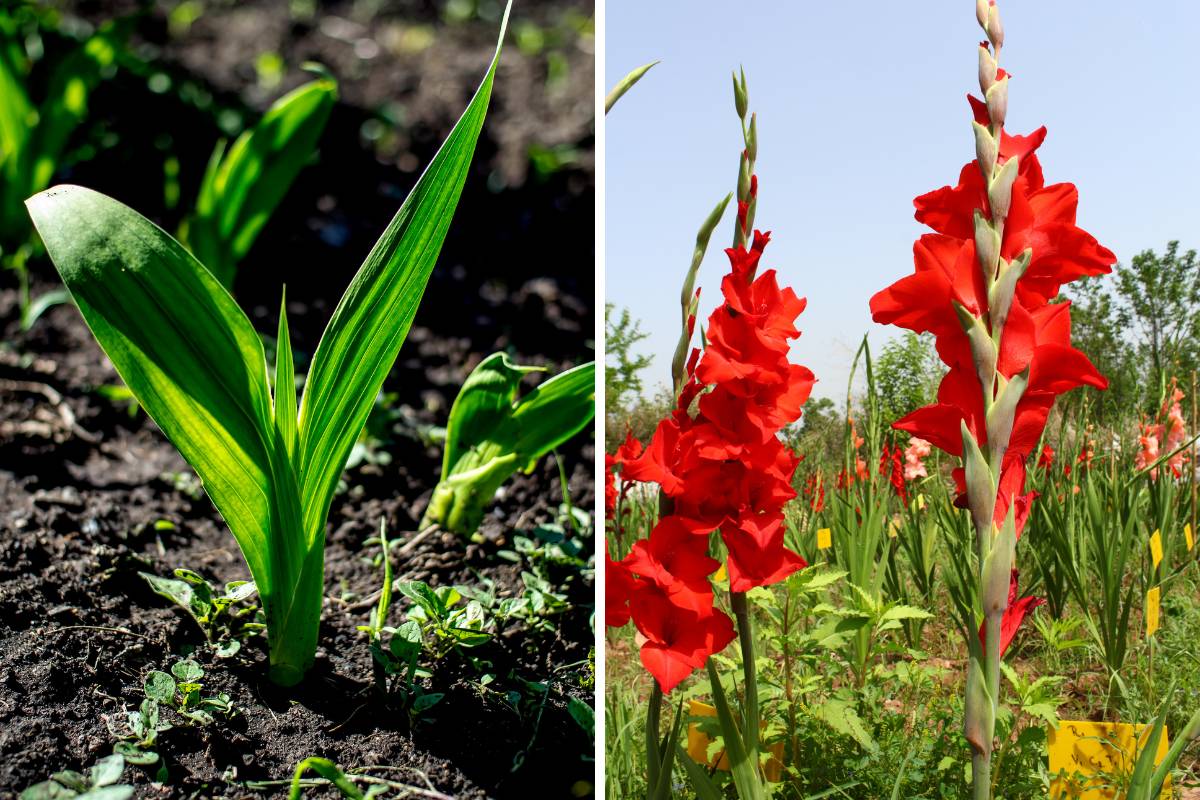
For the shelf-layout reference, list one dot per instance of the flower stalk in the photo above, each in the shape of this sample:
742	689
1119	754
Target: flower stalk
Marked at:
1004	243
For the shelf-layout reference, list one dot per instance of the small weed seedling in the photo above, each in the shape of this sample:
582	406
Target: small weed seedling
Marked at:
181	691
195	363
225	617
395	651
446	626
537	603
98	783
491	434
138	737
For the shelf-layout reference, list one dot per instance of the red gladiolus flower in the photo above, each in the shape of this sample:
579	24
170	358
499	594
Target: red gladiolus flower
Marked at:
610	487
618	586
677	560
678	640
630	449
1046	459
891	463
1003	245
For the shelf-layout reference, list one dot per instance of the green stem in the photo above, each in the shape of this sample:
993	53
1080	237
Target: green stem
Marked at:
653	755
292	634
737	602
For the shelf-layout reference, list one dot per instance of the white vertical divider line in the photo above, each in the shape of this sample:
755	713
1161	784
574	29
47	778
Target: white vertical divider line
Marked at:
599	538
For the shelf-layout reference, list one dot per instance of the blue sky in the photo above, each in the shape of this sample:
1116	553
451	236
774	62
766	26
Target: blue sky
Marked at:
861	107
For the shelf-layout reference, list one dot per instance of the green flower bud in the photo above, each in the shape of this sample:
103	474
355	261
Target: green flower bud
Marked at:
743	185
702	238
987	245
995	30
983	349
985	149
752	139
1000	296
979	713
997	101
987	69
740	101
981	485
1001	415
1000	189
997	566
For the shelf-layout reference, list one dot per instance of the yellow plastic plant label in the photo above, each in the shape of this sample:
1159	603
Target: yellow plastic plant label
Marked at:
824	539
1152	602
1156	548
1187	537
698	743
1086	757
894	528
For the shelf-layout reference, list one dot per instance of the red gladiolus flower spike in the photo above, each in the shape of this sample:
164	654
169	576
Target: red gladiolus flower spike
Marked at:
985	281
724	469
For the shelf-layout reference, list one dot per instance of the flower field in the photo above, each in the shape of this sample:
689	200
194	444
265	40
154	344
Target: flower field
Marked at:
976	578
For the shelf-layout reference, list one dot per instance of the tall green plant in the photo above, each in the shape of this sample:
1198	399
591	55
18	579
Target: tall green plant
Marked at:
193	360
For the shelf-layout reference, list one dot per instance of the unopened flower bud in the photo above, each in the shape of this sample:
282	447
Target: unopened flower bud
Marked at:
743	184
997	101
987	245
750	209
740	101
752	139
1000	189
1000	295
987	69
1001	415
985	149
981	485
981	13
997	566
995	30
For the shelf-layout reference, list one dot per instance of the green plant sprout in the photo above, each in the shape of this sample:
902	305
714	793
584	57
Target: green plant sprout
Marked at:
398	654
223	616
332	773
444	625
491	434
242	187
34	138
138	737
98	783
196	365
181	690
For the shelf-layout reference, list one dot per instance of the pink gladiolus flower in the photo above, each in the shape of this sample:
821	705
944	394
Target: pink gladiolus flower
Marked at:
914	467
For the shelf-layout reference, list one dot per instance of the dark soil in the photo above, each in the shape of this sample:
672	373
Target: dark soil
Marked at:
82	483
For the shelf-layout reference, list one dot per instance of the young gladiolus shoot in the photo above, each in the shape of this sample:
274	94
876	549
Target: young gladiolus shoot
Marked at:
192	359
